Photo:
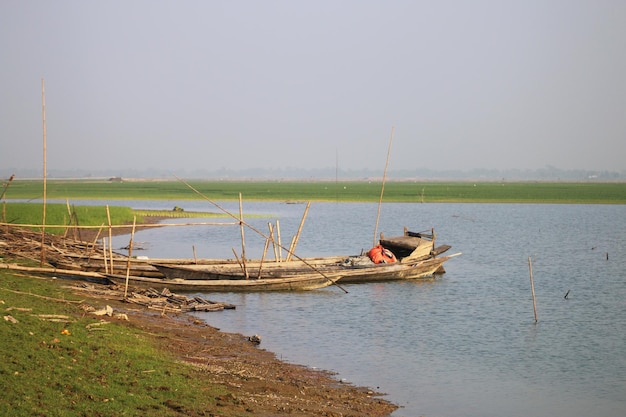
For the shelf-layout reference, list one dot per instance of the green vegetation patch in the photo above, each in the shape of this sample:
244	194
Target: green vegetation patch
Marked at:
61	214
343	191
59	361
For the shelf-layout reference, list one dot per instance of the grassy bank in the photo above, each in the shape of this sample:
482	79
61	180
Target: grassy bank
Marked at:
366	191
60	214
58	360
85	216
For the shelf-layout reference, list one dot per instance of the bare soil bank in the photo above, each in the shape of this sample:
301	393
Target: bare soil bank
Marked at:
258	383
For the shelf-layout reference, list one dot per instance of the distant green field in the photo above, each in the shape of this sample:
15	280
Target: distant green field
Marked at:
343	191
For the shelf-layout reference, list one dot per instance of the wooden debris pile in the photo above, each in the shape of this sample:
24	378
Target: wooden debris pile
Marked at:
157	300
22	243
167	300
16	242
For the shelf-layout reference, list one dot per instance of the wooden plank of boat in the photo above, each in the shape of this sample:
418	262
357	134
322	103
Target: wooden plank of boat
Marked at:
97	259
255	270
119	267
293	283
410	246
394	271
359	269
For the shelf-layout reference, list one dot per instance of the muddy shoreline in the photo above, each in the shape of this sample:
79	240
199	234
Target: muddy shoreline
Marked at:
258	383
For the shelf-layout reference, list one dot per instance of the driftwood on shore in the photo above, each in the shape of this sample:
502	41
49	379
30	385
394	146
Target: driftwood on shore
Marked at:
19	243
152	299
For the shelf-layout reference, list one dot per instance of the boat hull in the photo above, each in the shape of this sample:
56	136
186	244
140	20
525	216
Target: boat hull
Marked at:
295	283
426	269
356	272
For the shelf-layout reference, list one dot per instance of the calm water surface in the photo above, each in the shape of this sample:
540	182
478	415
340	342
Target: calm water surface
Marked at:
465	345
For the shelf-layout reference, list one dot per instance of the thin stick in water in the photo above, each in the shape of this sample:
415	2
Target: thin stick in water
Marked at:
532	287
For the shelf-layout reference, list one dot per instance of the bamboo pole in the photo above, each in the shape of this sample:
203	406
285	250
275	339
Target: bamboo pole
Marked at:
532	287
130	254
104	255
279	243
292	248
195	258
257	231
243	240
110	237
382	191
271	237
6	186
69	215
266	248
267	243
95	239
45	177
237	258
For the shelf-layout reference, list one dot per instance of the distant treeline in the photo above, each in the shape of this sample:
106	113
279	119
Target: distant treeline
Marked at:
548	173
341	191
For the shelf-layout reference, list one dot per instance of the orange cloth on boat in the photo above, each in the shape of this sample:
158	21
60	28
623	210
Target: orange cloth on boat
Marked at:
380	255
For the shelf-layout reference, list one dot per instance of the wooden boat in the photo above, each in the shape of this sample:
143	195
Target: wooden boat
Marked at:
356	269
253	269
298	282
424	269
145	267
418	260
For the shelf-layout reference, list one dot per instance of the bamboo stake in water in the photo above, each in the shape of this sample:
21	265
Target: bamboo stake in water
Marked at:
532	287
382	191
130	254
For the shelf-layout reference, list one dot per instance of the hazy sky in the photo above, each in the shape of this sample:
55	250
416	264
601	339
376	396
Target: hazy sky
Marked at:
260	84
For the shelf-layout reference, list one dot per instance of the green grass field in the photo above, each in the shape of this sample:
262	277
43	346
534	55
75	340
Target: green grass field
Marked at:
56	363
344	191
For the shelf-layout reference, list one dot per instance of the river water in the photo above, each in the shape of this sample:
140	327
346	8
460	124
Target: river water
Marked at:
464	345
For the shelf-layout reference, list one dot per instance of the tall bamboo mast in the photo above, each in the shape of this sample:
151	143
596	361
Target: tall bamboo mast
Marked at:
382	191
43	218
